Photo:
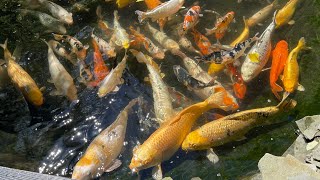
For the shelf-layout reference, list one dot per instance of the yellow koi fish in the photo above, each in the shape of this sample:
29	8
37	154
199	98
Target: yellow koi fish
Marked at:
166	140
291	69
232	127
102	152
21	79
244	35
285	14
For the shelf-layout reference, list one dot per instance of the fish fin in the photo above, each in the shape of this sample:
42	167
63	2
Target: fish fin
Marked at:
210	31
86	47
291	22
200	15
56	93
241	138
281	77
139	0
17	52
276	4
266	69
116	164
146	79
157	172
162	75
254	57
50	81
300	88
277	88
116	89
212	157
2	62
286	103
99	12
121	81
276	94
141	15
43	88
57	37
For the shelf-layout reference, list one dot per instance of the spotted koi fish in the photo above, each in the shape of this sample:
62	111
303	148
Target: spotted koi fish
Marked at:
228	56
221	25
202	42
191	18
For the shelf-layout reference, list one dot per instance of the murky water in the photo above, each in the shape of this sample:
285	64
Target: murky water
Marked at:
43	139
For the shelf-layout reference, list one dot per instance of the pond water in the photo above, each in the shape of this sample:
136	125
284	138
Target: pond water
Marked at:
41	139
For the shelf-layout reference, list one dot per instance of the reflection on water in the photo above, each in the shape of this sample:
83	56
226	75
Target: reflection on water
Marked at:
51	140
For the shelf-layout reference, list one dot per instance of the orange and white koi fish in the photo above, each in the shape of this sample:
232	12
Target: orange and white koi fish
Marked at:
262	14
21	79
239	87
100	68
61	79
166	140
153	49
221	25
285	14
162	11
101	155
77	46
60	50
279	58
191	18
202	42
104	46
291	69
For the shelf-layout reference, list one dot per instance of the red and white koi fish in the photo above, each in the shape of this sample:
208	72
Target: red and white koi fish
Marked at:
221	25
191	18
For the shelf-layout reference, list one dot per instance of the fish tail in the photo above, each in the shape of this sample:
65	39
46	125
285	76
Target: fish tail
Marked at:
7	54
4	45
210	31
141	15
286	103
302	43
276	4
116	16
218	98
132	103
277	88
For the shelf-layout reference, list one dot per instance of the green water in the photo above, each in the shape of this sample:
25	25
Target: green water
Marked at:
237	159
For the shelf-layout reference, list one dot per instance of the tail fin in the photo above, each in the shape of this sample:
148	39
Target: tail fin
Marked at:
141	15
220	99
246	25
276	4
131	104
210	31
302	43
57	37
286	103
7	53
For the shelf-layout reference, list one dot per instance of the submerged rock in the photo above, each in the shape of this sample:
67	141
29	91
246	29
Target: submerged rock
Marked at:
273	167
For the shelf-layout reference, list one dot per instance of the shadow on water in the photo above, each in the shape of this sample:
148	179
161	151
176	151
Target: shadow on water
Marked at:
43	139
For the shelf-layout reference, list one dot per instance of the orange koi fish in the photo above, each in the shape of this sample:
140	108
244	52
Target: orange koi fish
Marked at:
239	87
191	18
279	58
100	68
202	42
221	25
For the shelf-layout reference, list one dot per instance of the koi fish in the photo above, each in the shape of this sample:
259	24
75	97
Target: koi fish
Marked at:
153	49
21	79
162	11
178	99
60	50
162	38
186	79
53	24
232	127
77	47
151	4
114	79
262	14
221	25
101	155
239	87
61	79
123	3
225	56
103	25
285	14
104	46
279	58
167	139
191	18
100	68
291	69
186	44
258	55
162	100
56	11
197	72
120	36
244	35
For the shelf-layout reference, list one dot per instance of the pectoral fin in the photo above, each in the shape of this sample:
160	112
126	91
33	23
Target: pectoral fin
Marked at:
212	156
116	164
300	88
116	89
292	22
56	93
157	172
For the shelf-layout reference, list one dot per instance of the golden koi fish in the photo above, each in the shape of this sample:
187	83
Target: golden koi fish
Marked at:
120	36
21	79
61	79
113	79
285	14
162	99
261	15
291	69
102	152
232	127
166	140
244	35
